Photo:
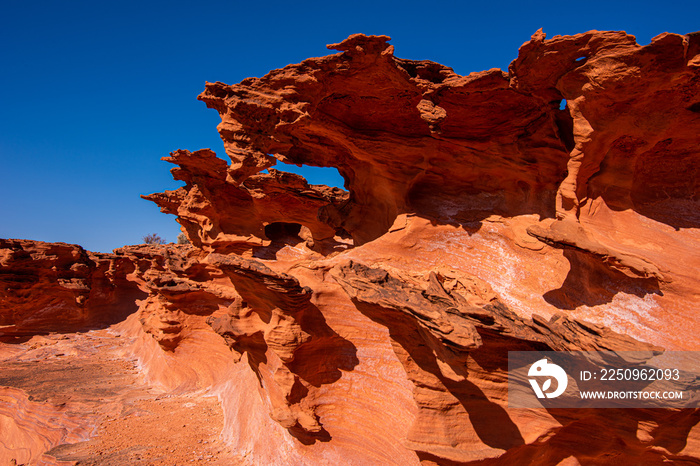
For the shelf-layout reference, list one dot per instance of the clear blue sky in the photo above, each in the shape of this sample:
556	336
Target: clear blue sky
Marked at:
93	94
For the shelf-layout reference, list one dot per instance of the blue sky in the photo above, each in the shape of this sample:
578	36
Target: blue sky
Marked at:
93	94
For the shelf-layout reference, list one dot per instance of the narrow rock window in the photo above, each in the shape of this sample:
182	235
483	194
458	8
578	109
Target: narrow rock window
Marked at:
315	175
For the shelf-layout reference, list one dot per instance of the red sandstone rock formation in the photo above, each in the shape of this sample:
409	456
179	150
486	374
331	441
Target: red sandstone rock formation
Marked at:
372	325
58	287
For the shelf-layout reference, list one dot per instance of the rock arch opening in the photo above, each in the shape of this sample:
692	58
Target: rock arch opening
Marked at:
329	176
281	231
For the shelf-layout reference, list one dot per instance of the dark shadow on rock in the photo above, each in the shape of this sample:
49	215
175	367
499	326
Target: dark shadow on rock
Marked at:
308	438
490	421
666	435
266	292
320	361
606	436
427	458
295	235
592	283
661	181
281	304
676	213
16	339
280	234
615	432
445	201
493	354
103	310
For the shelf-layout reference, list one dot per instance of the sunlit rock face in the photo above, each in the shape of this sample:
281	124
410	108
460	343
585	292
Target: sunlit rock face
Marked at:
59	287
550	207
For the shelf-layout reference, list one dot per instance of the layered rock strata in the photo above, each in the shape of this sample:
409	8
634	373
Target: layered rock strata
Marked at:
550	207
58	287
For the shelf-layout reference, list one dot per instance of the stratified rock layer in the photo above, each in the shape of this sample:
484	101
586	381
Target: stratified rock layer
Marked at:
58	287
552	207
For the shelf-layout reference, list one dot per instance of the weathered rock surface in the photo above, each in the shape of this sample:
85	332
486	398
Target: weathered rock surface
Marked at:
58	287
220	215
372	326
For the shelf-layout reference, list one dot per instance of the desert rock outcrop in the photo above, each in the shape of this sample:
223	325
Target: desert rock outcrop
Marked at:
58	287
550	207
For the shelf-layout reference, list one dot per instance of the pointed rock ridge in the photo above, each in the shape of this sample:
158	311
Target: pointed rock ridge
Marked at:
360	43
395	130
218	214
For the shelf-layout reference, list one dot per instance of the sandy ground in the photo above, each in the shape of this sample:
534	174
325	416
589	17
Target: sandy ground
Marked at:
89	378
